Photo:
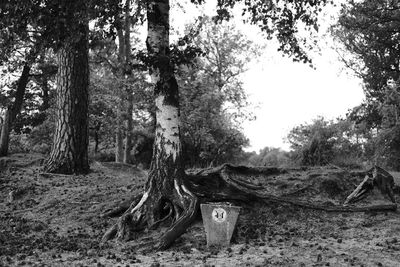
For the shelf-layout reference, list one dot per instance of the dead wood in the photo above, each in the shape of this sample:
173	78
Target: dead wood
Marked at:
221	184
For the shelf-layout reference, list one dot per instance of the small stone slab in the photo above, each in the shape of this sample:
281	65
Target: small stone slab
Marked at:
219	220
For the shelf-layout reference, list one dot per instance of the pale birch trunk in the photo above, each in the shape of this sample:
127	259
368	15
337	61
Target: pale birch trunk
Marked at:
164	187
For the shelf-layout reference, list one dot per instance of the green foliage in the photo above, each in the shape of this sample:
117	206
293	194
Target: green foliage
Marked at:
213	101
41	137
143	149
370	31
323	142
51	22
210	62
39	94
387	141
209	135
19	143
281	19
388	148
313	143
107	88
270	156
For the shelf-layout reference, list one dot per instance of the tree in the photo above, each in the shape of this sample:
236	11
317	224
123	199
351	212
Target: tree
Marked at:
19	47
63	26
165	182
40	93
169	194
227	54
313	142
123	28
369	32
269	156
69	153
13	110
109	101
213	98
387	141
326	142
113	54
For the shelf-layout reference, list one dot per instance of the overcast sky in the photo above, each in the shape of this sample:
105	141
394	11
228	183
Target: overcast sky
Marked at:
286	93
292	93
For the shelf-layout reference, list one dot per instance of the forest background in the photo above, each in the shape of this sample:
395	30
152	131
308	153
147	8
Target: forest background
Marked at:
210	59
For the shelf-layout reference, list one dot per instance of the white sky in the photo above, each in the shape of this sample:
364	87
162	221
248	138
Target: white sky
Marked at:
292	93
286	93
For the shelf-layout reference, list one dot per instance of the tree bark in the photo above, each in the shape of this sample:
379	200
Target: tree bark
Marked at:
96	137
45	95
129	128
69	153
13	110
5	134
119	140
165	194
128	91
123	32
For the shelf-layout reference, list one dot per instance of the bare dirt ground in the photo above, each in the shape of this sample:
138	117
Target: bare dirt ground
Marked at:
54	220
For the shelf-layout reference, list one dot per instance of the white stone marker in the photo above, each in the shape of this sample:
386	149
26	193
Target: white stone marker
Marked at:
219	220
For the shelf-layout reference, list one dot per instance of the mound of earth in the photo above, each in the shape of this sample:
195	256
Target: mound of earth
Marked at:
55	220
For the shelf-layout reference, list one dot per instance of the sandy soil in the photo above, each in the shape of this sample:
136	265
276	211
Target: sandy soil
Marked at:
54	220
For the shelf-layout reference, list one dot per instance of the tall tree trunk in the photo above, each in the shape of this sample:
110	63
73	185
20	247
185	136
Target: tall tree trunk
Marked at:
13	110
5	134
128	91
96	129
69	153
164	189
129	128
45	95
119	141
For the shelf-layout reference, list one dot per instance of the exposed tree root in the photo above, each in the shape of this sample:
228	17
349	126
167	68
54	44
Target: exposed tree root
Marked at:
122	207
182	223
211	185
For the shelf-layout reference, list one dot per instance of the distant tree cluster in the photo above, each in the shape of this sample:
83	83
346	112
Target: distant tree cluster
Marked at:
270	156
370	33
325	142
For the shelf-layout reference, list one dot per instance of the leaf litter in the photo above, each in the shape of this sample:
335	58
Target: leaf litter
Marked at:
55	220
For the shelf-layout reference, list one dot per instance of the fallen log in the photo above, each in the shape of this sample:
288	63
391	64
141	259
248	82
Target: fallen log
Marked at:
222	184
